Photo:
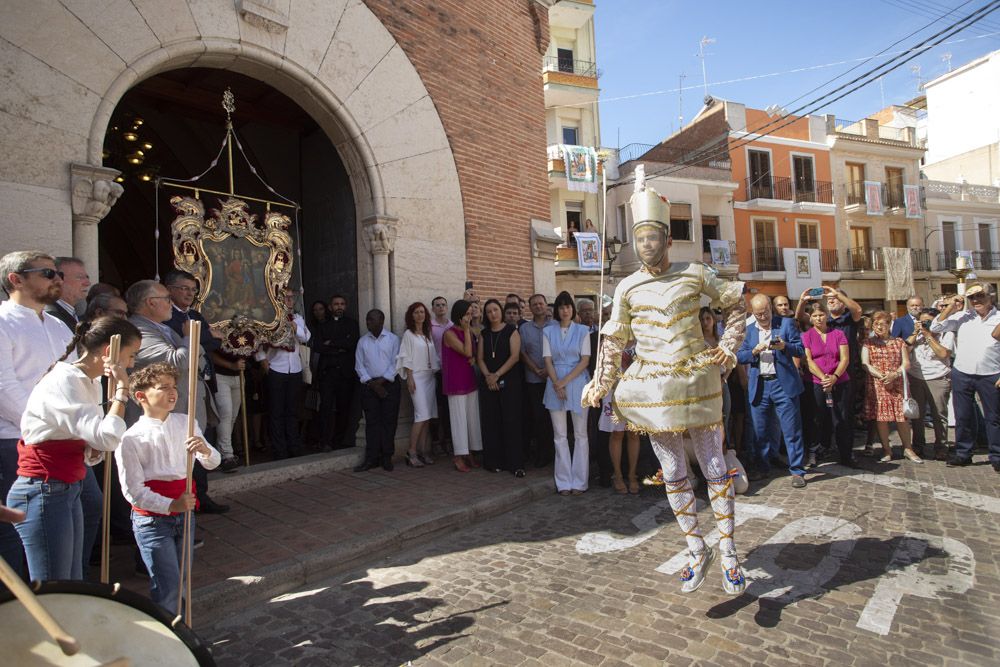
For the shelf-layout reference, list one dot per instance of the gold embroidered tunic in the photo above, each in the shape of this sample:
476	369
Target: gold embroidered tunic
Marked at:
672	385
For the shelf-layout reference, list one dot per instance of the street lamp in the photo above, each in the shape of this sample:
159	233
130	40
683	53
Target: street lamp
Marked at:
614	246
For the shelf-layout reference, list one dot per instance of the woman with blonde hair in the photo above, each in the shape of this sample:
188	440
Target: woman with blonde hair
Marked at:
886	359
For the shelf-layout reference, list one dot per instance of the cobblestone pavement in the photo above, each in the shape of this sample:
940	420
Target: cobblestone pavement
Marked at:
893	565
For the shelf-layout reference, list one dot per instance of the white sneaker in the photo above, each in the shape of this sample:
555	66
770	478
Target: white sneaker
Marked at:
733	581
692	577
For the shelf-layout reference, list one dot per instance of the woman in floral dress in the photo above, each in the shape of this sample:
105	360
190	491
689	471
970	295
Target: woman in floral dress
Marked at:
886	360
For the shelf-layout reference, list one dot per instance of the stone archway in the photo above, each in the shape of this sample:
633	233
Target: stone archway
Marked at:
333	57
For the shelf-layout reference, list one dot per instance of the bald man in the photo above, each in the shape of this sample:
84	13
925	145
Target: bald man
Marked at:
770	347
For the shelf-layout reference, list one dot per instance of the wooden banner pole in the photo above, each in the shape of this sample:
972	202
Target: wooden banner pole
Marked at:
184	590
114	348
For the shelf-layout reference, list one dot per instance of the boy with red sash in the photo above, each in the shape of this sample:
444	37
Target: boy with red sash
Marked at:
152	466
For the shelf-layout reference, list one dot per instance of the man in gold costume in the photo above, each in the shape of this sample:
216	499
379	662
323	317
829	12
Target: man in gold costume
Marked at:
674	386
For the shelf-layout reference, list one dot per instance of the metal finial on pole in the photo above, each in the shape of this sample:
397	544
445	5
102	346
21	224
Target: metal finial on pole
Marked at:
229	104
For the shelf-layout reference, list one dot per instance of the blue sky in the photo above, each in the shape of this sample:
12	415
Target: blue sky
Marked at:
644	45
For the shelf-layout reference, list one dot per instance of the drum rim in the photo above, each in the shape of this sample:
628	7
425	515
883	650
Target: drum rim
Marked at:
118	593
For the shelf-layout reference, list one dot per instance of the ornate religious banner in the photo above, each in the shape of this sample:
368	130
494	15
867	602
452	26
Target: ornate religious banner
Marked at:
911	195
873	197
242	265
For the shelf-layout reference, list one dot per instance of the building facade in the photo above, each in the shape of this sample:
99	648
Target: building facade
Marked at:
873	166
407	95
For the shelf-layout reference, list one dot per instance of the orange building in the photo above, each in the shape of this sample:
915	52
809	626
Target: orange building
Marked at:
785	199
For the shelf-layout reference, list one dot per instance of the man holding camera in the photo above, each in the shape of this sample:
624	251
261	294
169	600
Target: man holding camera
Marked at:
770	346
930	379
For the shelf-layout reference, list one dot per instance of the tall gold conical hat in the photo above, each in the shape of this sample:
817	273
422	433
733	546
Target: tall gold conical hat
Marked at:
648	207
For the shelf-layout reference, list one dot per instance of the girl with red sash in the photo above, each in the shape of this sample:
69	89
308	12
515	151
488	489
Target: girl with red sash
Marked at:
152	467
62	426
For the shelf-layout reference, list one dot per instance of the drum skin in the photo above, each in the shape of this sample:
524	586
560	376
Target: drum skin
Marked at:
108	621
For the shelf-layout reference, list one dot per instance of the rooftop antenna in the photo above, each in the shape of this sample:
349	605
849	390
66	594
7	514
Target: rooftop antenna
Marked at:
915	69
701	54
680	98
946	57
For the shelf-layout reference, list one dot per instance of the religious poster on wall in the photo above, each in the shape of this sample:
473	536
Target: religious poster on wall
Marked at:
581	168
588	251
242	265
802	270
720	252
911	196
873	197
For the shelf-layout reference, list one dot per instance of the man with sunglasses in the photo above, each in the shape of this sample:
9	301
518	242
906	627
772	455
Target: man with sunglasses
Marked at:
976	369
30	340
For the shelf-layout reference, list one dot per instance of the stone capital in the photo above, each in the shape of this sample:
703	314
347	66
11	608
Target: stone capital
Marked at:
94	192
379	233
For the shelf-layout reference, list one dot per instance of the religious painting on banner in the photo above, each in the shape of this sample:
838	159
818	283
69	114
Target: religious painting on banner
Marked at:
242	265
802	269
873	197
588	251
581	168
720	252
911	196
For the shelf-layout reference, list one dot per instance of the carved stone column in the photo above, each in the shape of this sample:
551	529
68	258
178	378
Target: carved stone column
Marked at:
379	233
94	193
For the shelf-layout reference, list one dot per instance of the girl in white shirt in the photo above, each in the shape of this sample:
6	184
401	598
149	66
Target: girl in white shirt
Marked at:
62	425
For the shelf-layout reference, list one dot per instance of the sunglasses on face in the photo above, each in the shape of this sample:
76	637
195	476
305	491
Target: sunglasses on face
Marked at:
46	273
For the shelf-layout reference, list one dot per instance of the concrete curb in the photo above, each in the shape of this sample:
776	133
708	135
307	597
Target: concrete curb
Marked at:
234	594
276	472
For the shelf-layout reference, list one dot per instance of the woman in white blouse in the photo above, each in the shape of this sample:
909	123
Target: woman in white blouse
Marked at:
417	363
61	426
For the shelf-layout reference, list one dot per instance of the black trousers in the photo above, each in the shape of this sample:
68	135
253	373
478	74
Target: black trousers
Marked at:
836	421
336	391
500	420
282	403
538	423
381	415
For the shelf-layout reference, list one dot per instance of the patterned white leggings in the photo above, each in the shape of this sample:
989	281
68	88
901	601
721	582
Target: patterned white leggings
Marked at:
707	441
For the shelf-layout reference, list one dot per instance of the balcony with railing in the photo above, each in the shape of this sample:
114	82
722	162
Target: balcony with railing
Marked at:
568	81
855	198
873	259
829	261
557	165
892	196
921	259
982	260
784	189
767	259
633	151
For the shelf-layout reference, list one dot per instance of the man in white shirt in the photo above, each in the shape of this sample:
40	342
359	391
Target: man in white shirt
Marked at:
976	370
930	380
30	341
375	363
282	367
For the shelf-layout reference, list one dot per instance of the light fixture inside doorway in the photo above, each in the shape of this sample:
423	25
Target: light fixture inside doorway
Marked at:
128	147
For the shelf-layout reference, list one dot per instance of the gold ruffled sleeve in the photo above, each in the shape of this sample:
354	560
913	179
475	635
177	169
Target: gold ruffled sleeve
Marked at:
615	333
727	295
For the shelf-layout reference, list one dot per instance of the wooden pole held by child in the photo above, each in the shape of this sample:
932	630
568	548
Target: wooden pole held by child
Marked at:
243	411
114	349
184	590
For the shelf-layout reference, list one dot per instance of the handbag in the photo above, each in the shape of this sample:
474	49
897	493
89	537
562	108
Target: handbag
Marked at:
910	408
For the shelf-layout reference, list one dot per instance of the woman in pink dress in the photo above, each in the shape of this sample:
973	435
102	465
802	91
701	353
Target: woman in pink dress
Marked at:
886	360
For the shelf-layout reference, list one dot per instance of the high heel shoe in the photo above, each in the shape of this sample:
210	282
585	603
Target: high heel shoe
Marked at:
619	484
633	485
413	461
471	461
460	466
426	459
912	455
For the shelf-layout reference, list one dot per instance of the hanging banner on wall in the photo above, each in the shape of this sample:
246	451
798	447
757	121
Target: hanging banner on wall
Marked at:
802	269
873	197
720	252
588	251
911	195
581	168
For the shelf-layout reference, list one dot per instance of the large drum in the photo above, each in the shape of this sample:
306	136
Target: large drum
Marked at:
109	622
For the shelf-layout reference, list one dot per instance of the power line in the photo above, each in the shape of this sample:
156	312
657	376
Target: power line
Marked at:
710	152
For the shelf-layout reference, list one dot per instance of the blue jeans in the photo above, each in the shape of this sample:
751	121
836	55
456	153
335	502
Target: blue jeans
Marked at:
52	532
160	539
964	388
774	402
92	503
11	549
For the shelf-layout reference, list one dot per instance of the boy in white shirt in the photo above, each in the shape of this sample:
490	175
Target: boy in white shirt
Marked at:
152	466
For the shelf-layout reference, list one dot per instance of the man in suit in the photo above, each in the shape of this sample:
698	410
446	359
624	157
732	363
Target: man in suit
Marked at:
151	308
76	282
771	344
337	379
902	327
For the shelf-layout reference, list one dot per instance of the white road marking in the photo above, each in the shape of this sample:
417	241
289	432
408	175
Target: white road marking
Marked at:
975	501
